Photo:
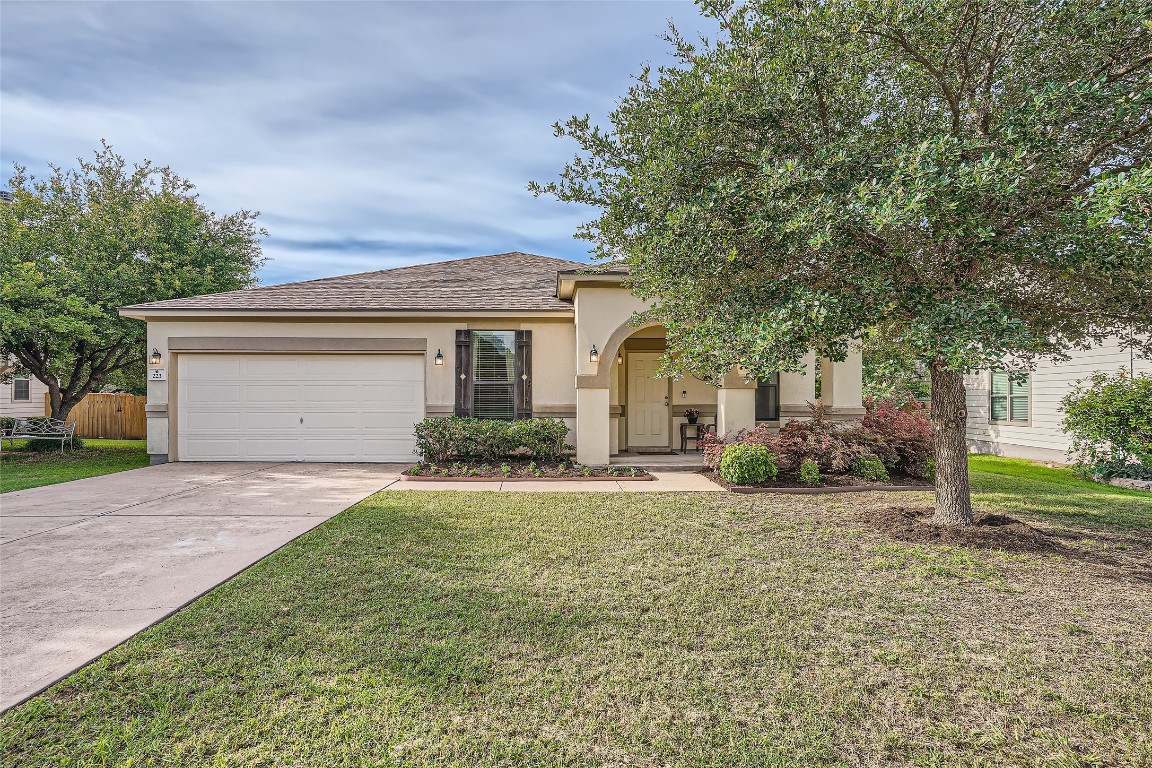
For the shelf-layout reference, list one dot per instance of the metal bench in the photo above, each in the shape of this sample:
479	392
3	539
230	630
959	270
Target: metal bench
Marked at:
41	429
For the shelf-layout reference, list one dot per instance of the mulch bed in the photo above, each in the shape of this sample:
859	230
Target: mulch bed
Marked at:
519	470
828	484
991	530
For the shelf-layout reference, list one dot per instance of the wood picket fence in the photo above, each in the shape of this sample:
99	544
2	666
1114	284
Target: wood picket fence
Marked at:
108	415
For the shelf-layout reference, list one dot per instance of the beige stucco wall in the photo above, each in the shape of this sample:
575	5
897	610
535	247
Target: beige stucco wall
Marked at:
553	367
1041	438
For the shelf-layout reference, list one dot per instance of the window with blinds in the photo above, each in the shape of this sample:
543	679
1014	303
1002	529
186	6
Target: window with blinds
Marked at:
494	375
1010	397
20	389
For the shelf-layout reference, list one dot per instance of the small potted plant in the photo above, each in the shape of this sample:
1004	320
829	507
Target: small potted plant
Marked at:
692	414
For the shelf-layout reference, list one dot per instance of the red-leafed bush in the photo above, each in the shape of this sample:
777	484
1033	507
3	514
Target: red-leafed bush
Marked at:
895	431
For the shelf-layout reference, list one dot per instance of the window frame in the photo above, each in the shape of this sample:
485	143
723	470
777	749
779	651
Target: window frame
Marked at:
1011	395
771	388
27	382
509	342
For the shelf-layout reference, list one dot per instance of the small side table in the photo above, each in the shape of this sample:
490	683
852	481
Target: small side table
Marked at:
698	431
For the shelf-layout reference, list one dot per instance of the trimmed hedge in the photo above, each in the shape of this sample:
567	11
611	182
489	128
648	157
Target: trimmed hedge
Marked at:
745	463
444	438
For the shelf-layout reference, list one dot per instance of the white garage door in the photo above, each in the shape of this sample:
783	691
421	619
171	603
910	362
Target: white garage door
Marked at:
256	407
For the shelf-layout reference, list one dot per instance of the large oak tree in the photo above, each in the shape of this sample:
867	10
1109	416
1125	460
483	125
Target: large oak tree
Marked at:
77	245
969	177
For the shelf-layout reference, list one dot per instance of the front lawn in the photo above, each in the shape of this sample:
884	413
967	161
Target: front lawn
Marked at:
484	629
20	470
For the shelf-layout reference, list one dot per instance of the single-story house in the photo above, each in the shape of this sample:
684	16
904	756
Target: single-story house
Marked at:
1020	415
21	395
341	368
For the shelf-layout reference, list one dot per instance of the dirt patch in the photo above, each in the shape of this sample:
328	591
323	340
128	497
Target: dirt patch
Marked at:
990	530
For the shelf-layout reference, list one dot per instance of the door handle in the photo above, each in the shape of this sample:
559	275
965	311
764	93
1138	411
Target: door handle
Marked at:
301	419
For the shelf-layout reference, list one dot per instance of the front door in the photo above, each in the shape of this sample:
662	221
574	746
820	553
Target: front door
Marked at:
647	402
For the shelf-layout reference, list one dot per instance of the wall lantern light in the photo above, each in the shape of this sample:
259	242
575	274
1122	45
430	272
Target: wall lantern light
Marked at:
593	356
439	359
154	358
619	358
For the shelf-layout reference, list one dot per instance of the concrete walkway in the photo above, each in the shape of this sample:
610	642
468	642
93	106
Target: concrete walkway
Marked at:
87	564
666	482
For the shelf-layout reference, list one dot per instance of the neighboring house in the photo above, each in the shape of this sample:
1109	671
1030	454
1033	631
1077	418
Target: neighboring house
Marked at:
22	396
341	368
1021	416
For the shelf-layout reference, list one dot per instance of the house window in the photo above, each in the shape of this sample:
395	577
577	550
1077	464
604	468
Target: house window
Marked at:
20	389
494	375
1010	397
768	398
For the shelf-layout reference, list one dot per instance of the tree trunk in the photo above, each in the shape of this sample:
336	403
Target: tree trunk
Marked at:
949	427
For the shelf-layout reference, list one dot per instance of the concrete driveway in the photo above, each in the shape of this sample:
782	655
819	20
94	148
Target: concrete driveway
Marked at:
87	564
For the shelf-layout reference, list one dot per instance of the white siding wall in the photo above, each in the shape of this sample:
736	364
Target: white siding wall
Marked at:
1042	438
33	406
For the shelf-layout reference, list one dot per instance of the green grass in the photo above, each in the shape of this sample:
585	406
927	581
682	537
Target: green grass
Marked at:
20	470
482	629
1056	495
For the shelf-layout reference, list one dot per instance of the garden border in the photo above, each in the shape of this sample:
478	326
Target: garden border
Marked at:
502	479
751	489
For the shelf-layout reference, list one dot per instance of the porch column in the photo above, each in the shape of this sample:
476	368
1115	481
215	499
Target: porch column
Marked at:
841	385
735	404
797	390
593	422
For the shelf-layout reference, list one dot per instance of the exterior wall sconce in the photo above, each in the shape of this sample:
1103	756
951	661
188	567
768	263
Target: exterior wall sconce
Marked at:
593	356
154	358
439	359
619	358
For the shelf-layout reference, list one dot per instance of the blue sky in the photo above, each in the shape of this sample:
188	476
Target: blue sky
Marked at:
368	134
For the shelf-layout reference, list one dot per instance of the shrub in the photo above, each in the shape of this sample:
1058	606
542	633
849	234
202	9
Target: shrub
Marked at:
816	439
810	472
898	431
869	467
443	438
745	463
711	446
41	445
1110	421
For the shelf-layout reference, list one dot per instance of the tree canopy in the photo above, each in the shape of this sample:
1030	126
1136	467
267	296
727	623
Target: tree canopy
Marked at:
970	178
81	243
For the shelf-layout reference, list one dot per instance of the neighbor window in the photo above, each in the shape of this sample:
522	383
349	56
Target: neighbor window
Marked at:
494	375
20	389
768	398
1010	395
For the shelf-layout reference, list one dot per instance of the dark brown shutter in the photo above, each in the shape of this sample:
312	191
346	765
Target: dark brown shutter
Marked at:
463	372
523	374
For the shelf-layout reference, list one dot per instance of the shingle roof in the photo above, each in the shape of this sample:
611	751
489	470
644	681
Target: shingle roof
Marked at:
503	281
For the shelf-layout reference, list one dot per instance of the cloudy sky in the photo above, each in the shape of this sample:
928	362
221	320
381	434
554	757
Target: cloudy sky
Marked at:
368	134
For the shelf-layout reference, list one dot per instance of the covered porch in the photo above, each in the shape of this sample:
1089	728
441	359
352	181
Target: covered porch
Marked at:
624	407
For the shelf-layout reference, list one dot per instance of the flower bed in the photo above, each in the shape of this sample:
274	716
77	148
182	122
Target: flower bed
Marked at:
890	448
519	470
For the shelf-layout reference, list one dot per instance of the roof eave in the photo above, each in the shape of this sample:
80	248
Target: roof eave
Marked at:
170	313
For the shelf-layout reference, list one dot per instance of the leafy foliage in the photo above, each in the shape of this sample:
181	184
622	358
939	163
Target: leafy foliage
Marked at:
443	438
80	244
1110	420
869	467
810	472
746	463
972	179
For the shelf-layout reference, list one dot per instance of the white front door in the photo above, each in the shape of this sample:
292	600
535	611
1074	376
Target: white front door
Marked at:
273	407
647	402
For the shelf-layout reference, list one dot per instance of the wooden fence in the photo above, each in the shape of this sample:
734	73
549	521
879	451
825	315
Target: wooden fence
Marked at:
108	415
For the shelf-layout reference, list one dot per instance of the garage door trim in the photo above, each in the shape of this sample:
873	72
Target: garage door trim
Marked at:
303	344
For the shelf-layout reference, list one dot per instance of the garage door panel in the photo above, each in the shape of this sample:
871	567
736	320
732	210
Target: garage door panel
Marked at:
209	367
213	394
249	407
271	367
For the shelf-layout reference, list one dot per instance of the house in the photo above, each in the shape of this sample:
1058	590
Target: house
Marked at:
1020	416
21	395
341	368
